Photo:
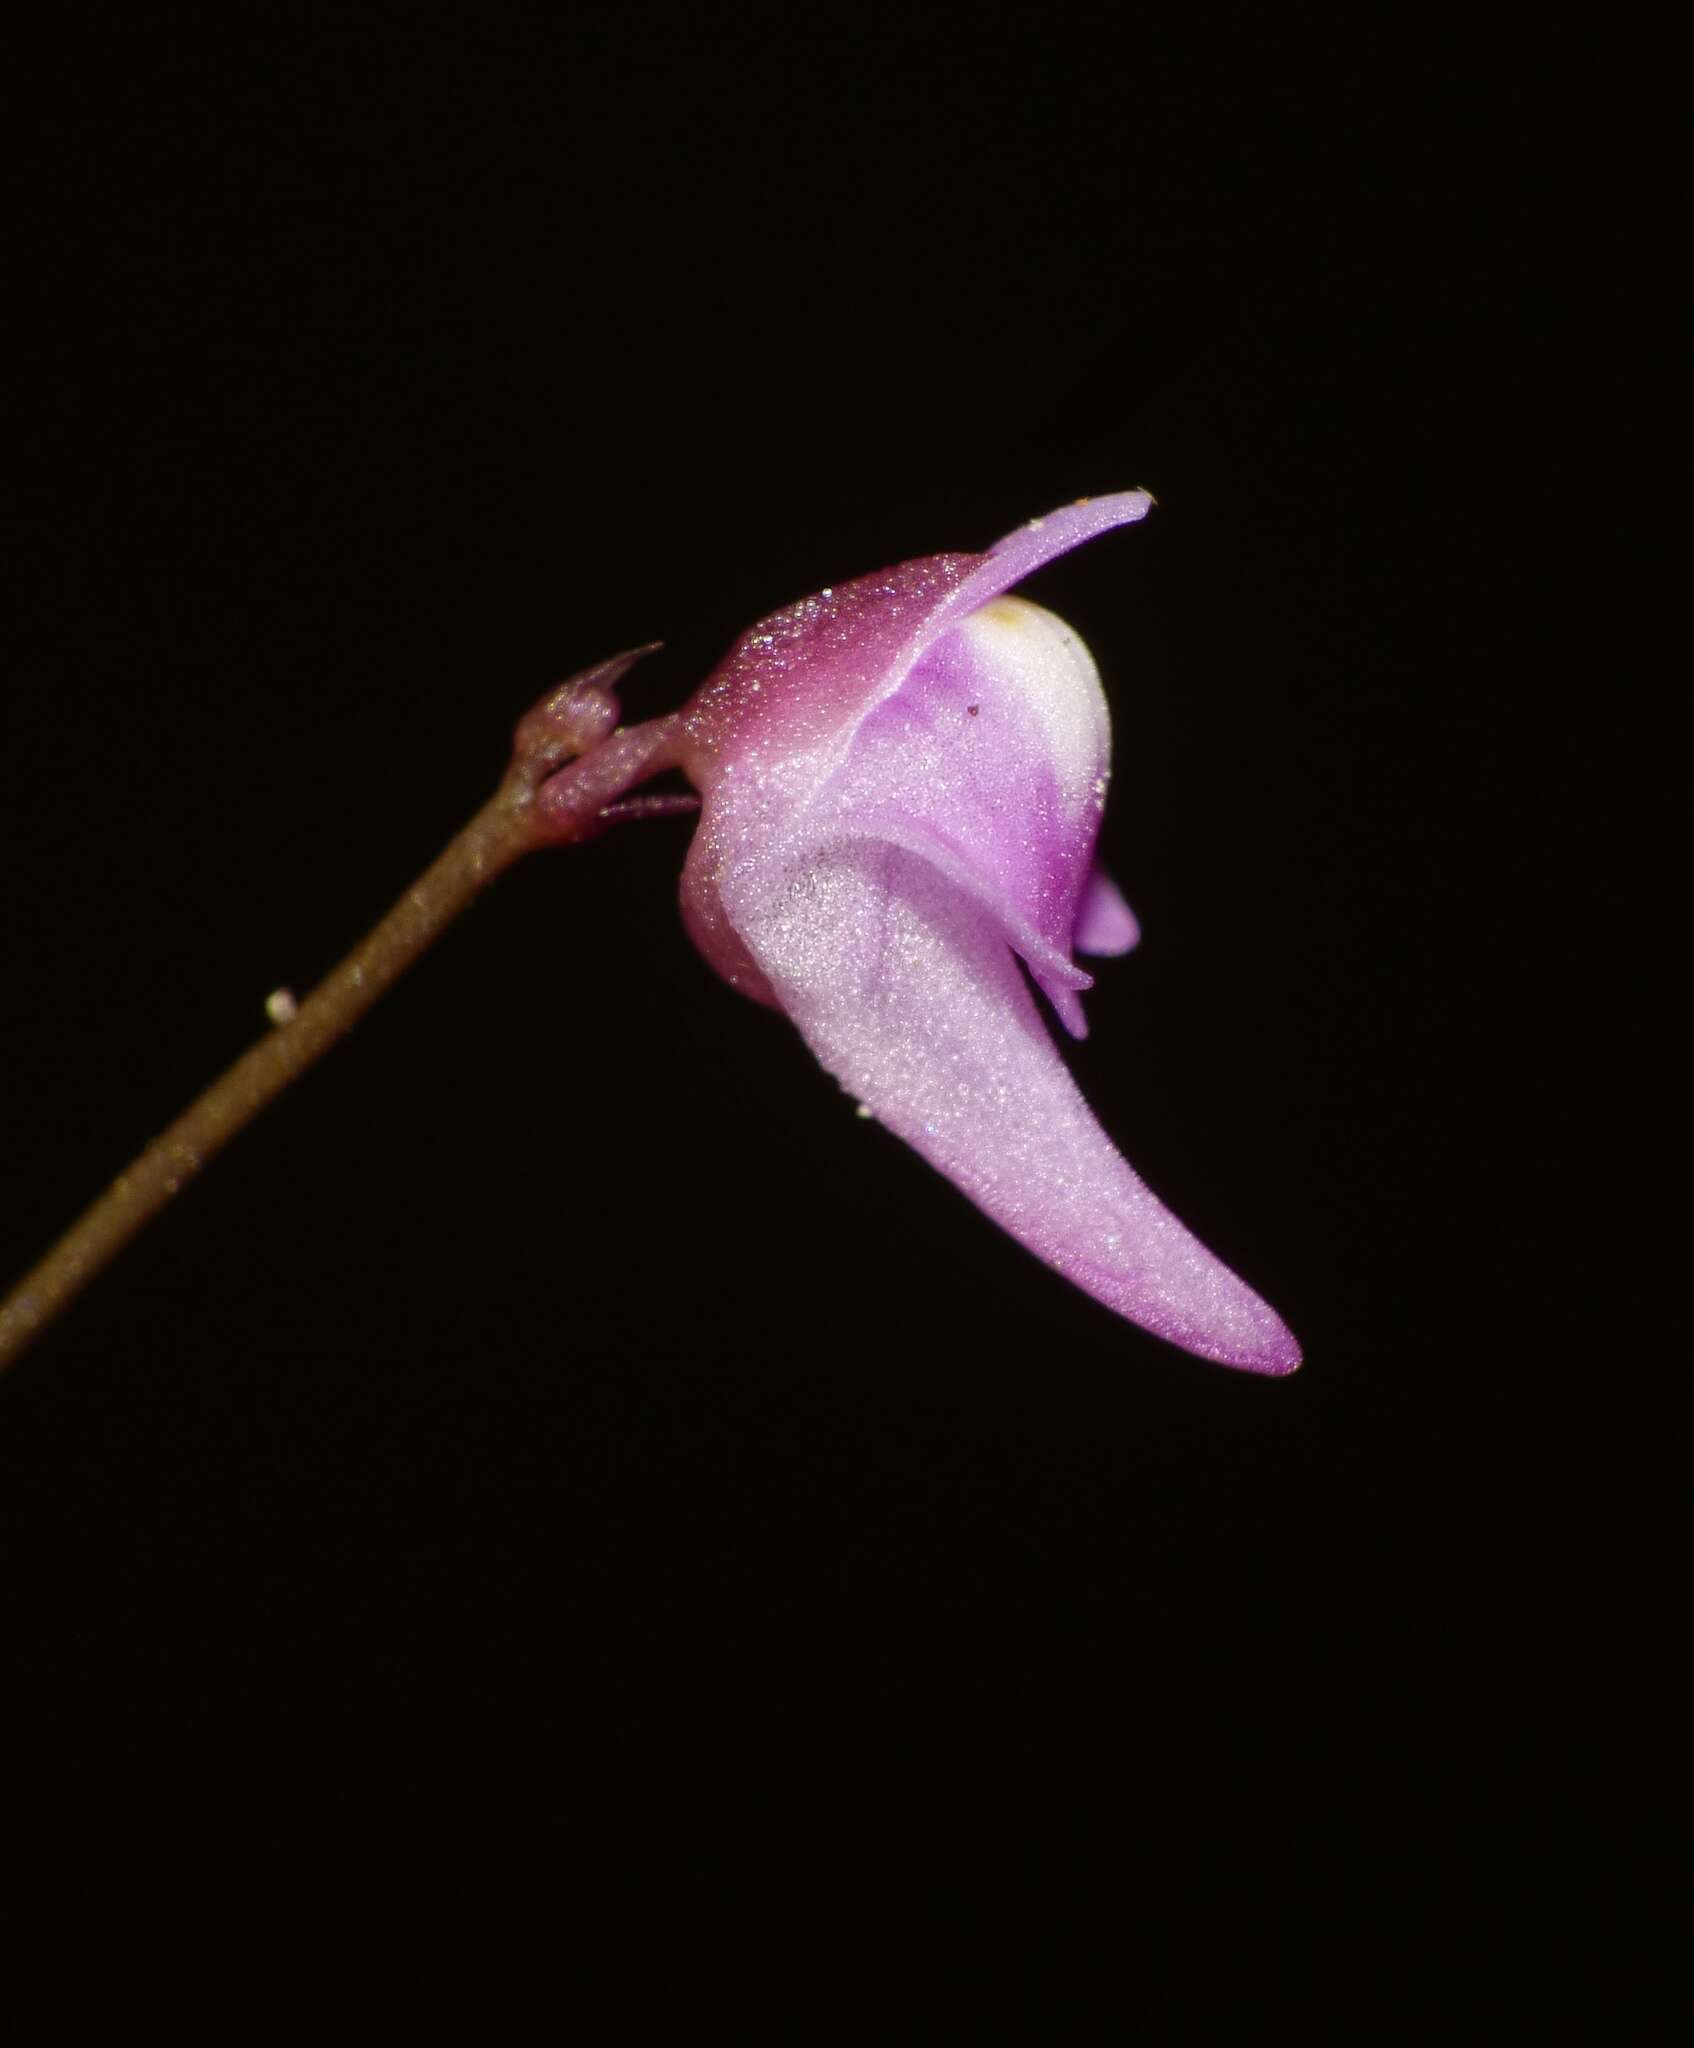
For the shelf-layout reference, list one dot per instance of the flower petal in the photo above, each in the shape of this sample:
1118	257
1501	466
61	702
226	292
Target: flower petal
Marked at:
767	731
1039	541
797	685
791	692
1105	924
992	762
903	985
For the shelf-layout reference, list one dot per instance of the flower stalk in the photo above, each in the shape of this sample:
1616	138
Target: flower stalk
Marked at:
569	766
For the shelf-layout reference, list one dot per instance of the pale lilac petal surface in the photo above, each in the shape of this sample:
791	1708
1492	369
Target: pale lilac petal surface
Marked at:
992	760
1023	551
1105	924
903	986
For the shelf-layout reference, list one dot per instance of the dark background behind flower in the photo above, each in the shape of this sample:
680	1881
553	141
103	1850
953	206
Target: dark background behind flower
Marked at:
565	1344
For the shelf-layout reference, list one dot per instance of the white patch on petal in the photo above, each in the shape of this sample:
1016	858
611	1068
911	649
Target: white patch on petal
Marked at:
1038	656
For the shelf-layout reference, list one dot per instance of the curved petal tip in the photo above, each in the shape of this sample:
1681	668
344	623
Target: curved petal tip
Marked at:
904	986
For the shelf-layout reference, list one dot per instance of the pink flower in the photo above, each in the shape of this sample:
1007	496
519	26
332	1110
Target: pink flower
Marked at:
902	780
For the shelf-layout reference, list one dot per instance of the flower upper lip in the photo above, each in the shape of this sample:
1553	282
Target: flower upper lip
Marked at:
865	637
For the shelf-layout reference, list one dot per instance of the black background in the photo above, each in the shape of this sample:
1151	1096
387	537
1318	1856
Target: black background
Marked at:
564	1360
